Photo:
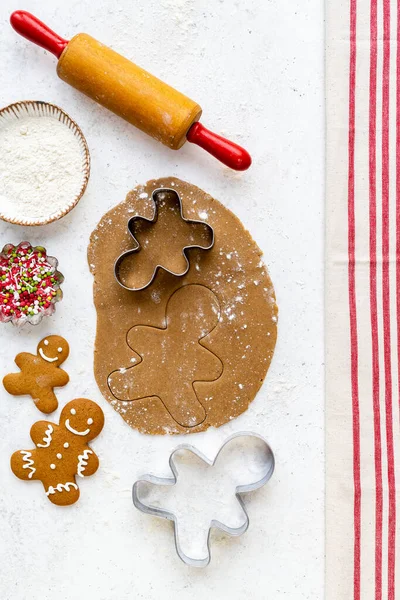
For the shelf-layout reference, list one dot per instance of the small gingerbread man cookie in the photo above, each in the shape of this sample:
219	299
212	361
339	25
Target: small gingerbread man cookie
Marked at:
40	373
62	451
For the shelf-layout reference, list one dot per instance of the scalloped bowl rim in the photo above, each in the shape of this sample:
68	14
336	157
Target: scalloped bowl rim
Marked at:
52	111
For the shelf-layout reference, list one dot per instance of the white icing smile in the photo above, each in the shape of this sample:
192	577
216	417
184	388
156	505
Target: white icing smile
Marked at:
72	430
43	355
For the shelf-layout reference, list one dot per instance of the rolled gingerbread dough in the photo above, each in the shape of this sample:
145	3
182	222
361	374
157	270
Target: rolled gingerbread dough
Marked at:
242	340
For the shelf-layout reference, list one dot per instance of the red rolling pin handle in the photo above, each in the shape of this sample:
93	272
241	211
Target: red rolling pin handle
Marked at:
225	151
37	32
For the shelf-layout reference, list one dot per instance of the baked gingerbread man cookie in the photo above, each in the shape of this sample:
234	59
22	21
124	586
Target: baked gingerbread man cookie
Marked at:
40	373
62	452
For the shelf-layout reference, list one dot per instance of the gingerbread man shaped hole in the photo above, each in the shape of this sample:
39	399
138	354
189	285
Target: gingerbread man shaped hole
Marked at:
172	359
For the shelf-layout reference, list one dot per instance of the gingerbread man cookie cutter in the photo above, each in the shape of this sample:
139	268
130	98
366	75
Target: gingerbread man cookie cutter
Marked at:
268	467
157	196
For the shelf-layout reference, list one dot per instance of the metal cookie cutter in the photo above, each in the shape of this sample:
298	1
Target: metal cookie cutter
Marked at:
156	196
268	466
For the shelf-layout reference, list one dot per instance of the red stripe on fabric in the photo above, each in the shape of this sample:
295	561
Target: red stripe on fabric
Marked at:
398	192
373	300
386	300
352	303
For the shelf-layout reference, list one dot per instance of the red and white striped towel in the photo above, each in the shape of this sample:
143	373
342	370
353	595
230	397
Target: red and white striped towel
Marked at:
363	300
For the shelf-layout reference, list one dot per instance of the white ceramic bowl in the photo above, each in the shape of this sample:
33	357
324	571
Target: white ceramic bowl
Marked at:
29	108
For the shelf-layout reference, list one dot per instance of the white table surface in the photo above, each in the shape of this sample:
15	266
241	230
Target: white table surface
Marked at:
256	67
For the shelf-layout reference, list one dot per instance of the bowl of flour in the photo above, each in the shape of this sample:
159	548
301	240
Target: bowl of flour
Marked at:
44	163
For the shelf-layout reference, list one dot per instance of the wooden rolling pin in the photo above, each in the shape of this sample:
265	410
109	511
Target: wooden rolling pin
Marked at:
129	91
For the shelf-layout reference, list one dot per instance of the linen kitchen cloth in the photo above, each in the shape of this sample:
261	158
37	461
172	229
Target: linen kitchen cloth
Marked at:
363	300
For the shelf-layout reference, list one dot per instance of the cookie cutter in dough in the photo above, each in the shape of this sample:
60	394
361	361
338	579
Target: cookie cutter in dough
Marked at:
269	461
131	224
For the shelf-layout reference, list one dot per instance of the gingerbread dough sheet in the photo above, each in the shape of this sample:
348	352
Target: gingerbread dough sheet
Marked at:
187	352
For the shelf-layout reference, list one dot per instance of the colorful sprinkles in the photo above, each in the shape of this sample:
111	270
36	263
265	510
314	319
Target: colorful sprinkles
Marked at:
29	283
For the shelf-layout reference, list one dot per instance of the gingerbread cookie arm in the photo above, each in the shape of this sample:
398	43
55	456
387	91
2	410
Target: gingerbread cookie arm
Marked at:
16	384
60	378
132	384
23	464
88	463
210	367
24	359
42	433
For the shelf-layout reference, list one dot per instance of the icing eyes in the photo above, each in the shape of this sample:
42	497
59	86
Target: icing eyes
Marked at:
89	421
73	411
46	342
59	349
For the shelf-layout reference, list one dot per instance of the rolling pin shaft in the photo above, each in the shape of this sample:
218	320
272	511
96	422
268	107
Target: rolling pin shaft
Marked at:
128	90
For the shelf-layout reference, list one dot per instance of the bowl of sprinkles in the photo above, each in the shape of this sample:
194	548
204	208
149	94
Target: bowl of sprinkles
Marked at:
29	284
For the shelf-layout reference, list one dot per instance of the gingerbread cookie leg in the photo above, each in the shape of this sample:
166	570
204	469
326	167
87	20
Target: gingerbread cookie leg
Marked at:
181	401
185	407
61	493
45	399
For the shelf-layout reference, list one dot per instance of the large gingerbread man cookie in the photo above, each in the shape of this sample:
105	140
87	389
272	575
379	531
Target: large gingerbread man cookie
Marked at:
40	373
242	342
192	313
61	451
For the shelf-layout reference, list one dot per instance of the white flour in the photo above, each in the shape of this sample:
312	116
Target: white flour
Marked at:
41	168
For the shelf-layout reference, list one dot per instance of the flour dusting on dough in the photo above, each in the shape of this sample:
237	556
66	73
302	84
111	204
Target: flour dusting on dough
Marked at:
244	339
